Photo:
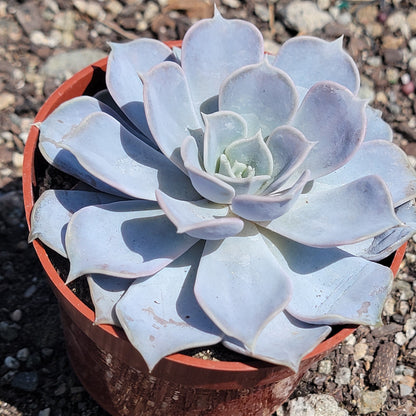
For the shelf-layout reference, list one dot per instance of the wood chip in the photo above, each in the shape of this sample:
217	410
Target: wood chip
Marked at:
386	330
382	370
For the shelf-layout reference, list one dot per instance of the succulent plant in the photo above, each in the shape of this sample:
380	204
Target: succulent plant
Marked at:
240	198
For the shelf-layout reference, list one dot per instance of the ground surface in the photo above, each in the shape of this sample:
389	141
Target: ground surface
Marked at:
370	373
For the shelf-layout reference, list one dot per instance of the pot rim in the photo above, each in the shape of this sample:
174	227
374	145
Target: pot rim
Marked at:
63	93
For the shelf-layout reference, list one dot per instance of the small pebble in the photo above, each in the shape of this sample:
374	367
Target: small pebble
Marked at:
360	350
11	363
45	412
350	340
30	291
405	390
400	338
408	88
47	352
26	381
16	315
343	376
60	390
23	354
325	367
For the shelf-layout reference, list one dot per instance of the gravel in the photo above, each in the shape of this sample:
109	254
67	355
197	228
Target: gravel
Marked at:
43	42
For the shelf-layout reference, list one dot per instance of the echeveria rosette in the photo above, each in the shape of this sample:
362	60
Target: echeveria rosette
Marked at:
238	198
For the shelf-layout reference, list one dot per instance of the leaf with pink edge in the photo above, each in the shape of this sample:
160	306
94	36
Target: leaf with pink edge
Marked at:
229	273
214	48
283	330
53	210
324	219
209	186
382	158
333	118
105	292
112	154
125	62
129	239
330	286
169	109
308	60
160	315
264	95
200	219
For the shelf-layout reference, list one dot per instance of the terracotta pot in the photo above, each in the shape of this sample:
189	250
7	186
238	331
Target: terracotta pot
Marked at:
113	372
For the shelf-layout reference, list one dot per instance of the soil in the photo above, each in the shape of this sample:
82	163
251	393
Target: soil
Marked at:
35	376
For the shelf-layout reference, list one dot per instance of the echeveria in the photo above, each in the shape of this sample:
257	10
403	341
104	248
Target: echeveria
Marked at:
240	198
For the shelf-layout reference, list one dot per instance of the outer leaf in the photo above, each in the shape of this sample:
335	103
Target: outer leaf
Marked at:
268	207
125	239
264	95
214	48
343	215
125	62
105	292
115	156
229	273
169	109
333	118
377	128
207	185
382	158
309	60
53	210
105	97
284	341
200	219
160	315
383	245
330	286
221	129
58	124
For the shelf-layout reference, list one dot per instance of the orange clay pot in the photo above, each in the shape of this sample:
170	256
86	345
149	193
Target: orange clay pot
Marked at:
108	366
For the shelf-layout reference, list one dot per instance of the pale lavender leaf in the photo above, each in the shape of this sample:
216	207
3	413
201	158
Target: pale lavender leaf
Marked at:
214	48
105	292
125	62
268	207
53	210
382	158
309	60
264	95
229	273
251	152
289	149
169	109
207	185
381	246
221	129
330	286
343	215
161	316
377	128
241	186
333	118
200	219
124	239
61	122
105	97
115	156
284	341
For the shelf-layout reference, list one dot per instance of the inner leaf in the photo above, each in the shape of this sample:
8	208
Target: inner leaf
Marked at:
246	158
